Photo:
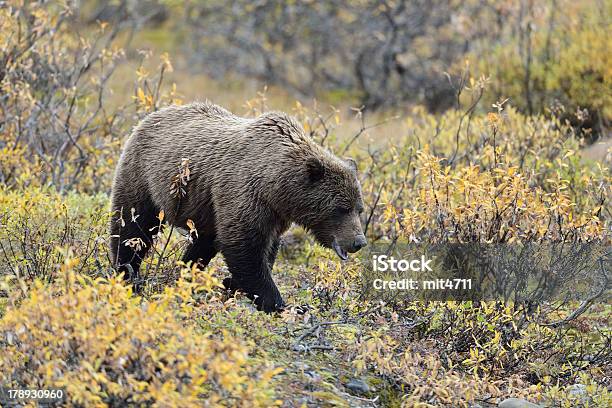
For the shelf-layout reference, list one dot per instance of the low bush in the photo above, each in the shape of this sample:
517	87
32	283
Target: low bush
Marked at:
109	348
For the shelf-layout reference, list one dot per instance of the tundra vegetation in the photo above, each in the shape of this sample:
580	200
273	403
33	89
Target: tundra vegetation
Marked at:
470	121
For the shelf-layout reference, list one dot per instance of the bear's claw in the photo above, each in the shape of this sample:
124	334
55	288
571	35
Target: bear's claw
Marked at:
266	303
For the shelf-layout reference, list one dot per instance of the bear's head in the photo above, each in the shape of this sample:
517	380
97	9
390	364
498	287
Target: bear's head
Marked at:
330	202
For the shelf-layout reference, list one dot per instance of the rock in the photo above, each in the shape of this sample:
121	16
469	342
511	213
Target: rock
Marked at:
579	392
517	403
300	348
577	389
300	365
312	376
358	386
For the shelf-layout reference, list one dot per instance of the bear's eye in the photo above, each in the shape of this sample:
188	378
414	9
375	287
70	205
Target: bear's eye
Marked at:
343	210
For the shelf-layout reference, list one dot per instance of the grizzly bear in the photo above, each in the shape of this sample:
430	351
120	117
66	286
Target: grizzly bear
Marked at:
249	179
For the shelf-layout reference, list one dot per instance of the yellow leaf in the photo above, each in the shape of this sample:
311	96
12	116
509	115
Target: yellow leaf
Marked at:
192	228
141	96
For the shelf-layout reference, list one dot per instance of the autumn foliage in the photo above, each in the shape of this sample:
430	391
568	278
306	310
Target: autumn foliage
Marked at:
487	170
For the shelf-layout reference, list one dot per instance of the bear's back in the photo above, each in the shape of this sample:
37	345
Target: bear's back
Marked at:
184	115
221	147
204	118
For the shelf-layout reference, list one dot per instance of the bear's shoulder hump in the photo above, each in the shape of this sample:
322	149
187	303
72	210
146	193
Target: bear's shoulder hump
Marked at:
281	124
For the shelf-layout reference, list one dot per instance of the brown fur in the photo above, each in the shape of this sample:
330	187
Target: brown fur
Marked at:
249	179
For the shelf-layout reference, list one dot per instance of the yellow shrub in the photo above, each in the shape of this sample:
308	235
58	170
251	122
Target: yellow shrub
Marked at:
503	177
107	347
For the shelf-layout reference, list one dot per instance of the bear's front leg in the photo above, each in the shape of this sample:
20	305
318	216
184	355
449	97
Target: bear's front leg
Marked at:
251	273
246	236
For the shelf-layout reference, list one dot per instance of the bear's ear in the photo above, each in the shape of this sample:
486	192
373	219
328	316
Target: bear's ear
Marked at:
315	169
351	163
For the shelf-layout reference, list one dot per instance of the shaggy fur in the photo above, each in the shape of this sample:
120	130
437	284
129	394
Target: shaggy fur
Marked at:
249	179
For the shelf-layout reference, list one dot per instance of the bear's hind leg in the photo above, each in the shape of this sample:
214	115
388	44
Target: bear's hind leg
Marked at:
202	250
131	237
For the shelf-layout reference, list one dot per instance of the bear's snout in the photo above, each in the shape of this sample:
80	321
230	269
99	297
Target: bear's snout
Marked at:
360	242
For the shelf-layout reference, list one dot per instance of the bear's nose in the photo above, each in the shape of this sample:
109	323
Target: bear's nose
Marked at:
360	242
